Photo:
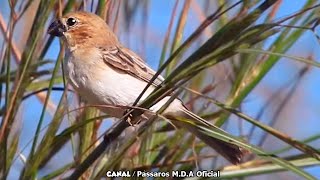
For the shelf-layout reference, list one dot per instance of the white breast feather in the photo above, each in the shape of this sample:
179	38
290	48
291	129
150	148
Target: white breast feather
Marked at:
101	85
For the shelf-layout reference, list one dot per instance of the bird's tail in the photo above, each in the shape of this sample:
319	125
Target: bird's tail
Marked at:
197	126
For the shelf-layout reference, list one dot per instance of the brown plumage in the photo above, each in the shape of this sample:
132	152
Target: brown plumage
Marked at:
104	72
90	30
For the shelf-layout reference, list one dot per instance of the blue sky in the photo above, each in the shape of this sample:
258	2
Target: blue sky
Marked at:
305	122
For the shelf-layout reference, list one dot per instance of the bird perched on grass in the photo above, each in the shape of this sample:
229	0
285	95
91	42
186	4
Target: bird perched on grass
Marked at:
106	73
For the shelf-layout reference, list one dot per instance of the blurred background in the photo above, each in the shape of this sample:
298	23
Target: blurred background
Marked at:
286	97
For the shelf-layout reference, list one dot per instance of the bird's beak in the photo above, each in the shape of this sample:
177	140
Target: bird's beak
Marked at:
56	28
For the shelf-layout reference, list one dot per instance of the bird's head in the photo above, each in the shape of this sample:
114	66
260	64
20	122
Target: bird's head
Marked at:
83	29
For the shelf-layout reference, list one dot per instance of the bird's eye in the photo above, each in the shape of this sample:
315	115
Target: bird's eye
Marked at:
71	22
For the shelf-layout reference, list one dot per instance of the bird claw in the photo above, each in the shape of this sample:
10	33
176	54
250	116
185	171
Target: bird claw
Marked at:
130	117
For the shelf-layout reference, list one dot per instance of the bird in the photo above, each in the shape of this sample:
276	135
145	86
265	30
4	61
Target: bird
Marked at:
106	73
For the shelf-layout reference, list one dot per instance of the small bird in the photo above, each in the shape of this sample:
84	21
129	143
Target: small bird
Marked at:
106	73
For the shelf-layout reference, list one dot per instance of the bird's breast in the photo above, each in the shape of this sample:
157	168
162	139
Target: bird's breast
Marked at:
76	74
112	89
100	84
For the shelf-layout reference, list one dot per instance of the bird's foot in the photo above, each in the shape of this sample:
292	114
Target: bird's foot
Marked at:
131	120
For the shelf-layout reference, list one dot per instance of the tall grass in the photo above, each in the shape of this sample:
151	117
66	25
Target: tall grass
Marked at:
217	56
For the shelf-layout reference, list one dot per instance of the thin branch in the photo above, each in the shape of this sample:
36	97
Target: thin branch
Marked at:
43	90
15	50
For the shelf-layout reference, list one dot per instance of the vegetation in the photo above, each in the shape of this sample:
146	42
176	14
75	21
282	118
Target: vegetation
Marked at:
213	60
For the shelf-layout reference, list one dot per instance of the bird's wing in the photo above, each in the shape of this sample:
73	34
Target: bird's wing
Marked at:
127	61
